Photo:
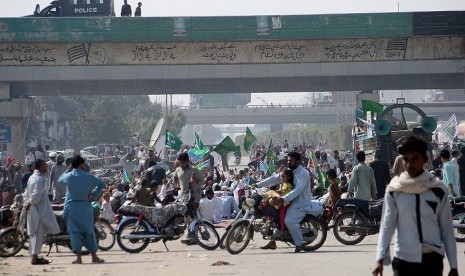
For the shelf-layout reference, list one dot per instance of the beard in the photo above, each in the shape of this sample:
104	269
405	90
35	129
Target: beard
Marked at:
292	167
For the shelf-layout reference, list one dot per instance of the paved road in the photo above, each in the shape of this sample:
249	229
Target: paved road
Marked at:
332	259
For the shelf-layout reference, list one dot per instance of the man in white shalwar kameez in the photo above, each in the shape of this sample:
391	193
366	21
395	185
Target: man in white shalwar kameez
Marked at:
40	217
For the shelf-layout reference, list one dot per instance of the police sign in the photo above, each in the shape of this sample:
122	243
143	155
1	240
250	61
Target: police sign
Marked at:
5	133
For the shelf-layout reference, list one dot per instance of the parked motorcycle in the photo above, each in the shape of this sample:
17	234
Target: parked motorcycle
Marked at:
314	228
14	238
140	225
239	215
105	234
457	205
355	219
7	217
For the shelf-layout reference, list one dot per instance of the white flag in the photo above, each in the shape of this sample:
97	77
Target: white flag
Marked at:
449	129
368	124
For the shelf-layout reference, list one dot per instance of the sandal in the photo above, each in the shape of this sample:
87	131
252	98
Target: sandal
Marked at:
40	261
269	246
98	261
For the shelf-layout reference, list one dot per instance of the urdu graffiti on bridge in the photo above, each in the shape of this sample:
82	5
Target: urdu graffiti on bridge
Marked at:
27	53
153	52
281	52
219	52
351	51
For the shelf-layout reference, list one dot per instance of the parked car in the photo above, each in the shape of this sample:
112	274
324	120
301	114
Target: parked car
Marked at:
66	154
87	155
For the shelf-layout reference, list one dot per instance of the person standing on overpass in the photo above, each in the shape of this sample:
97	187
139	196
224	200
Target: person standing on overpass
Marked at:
126	9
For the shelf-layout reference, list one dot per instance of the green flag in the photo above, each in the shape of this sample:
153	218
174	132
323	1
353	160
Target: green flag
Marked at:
172	140
226	146
372	106
249	139
270	154
322	178
197	142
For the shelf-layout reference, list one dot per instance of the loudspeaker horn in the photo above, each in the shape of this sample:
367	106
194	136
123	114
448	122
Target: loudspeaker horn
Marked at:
382	127
429	124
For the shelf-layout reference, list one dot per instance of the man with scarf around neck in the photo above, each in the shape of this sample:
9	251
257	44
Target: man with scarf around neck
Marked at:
416	205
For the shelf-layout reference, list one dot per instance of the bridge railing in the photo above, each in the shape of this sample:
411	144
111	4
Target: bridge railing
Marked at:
195	107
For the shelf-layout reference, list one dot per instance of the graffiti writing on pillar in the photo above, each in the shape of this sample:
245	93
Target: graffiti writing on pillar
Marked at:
86	53
396	48
153	52
286	52
219	52
29	54
351	51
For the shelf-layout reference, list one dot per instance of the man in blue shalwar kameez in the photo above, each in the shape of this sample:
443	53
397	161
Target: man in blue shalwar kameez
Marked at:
78	212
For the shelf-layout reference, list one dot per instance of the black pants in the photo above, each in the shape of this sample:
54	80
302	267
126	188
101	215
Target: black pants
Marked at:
431	265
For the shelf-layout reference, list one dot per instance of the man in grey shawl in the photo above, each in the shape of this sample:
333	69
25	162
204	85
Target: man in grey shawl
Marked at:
416	206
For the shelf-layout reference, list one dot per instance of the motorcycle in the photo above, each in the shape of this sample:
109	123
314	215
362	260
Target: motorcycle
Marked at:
14	238
105	234
140	225
355	219
457	205
7	217
314	228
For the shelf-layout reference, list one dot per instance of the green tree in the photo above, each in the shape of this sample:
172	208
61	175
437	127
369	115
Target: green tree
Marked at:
175	121
99	124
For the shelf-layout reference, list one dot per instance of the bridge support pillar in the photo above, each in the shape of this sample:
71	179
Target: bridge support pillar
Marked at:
15	113
276	127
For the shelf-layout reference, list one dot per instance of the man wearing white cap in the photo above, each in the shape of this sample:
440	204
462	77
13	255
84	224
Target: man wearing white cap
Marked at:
50	163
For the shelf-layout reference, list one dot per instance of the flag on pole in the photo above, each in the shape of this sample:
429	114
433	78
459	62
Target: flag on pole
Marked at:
204	164
372	106
172	140
449	129
226	146
197	142
322	178
199	151
269	151
249	139
368	124
195	155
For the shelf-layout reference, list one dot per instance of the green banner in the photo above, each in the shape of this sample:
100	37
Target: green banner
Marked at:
249	139
226	146
172	140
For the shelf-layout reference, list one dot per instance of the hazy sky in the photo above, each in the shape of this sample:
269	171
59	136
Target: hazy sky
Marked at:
15	8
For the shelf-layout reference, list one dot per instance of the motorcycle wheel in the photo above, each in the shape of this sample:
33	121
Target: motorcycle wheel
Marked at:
314	233
458	219
223	238
348	237
11	242
206	236
105	234
238	237
132	245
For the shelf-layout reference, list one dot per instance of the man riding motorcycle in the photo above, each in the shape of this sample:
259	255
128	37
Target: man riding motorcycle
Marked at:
300	196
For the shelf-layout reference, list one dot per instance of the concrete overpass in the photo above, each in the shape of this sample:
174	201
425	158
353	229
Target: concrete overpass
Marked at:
277	116
120	56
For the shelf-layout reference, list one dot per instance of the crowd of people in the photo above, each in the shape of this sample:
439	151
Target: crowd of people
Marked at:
145	180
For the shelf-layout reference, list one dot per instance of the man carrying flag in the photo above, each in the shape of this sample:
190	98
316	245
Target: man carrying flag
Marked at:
223	148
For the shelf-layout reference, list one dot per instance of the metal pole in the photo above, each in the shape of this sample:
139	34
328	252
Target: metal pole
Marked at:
166	106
